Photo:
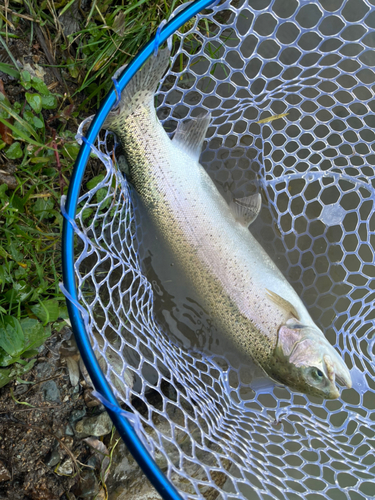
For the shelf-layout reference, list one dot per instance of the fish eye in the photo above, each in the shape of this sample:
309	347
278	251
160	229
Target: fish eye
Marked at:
317	374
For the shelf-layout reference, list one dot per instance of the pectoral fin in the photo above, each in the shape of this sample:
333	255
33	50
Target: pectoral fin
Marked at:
284	304
246	210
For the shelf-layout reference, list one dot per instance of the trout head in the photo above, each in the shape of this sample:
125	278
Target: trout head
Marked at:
305	361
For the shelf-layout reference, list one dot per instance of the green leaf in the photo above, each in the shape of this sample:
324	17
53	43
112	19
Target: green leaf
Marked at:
38	123
42	207
20	126
41	159
12	339
95	181
4	253
5	277
49	101
47	310
14	151
72	68
9	70
30	353
5	376
28	116
3	190
25	79
35	333
86	213
100	195
4	111
20	272
40	86
63	312
17	203
6	359
14	250
72	150
35	101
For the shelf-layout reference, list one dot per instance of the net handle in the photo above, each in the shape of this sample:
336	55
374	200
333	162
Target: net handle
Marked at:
160	482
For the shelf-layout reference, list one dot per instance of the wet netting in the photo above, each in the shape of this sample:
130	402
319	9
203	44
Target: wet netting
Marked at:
290	86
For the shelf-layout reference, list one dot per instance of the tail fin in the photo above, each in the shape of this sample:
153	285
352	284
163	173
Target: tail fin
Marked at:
141	88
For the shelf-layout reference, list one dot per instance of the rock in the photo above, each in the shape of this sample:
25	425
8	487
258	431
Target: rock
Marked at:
4	473
8	179
88	487
43	370
94	461
99	425
72	364
69	430
51	392
66	468
77	415
53	458
89	399
68	441
101	495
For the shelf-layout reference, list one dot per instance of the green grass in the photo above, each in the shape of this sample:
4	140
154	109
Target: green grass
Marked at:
40	144
30	223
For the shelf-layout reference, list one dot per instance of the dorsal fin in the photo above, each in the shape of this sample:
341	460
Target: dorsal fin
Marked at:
190	135
246	210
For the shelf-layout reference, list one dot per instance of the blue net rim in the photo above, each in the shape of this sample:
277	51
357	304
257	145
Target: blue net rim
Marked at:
160	482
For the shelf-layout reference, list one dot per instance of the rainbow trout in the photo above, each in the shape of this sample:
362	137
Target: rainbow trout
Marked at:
241	288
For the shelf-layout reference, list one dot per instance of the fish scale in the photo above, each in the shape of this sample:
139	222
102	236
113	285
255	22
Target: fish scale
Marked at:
245	294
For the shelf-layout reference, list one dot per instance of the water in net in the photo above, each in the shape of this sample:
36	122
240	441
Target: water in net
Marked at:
214	437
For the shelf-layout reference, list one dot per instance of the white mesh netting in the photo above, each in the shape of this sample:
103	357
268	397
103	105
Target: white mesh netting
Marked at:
245	61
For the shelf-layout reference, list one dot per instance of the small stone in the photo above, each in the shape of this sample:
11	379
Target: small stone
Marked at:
94	461
101	495
68	441
66	468
89	399
76	390
4	473
51	392
43	370
53	458
69	430
88	486
99	425
77	415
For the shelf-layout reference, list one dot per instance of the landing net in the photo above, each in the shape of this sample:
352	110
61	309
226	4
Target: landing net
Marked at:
248	62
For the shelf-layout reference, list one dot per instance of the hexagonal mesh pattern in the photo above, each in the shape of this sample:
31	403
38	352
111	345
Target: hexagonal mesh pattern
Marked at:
246	62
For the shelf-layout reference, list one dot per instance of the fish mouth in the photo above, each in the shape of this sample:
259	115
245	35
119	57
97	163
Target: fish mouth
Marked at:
337	372
341	372
343	378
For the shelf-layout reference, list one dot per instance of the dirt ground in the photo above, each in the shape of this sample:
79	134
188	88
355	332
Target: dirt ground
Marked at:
37	418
